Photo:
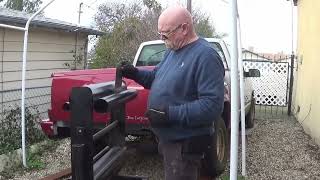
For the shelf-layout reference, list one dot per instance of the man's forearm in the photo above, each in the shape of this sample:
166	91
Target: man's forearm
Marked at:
145	78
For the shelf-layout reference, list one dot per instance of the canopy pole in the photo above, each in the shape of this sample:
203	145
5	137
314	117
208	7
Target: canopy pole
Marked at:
234	94
23	74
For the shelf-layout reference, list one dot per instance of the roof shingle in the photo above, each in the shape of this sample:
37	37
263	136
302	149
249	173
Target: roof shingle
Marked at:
13	17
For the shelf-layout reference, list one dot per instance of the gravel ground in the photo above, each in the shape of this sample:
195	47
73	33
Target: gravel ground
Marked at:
55	161
277	149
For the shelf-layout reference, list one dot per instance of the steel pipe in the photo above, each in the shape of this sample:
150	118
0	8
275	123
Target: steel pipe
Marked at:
105	130
105	104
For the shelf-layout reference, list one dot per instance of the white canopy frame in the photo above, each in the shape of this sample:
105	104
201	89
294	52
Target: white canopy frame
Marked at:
23	79
236	78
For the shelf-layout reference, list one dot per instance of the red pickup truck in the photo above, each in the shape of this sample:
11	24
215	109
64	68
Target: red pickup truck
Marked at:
148	55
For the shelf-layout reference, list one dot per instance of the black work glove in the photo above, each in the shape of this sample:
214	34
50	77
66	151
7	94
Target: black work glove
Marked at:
158	118
128	70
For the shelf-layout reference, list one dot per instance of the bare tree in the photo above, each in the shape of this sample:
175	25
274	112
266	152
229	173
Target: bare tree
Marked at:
30	6
128	25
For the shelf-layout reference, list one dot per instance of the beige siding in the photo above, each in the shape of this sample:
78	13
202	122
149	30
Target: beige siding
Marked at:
33	65
1	60
48	52
16	76
1	74
39	47
1	35
41	35
17	56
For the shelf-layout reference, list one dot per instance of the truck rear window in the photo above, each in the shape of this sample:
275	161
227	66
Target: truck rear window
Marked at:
151	55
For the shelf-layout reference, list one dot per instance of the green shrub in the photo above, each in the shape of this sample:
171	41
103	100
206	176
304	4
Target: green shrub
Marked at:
10	134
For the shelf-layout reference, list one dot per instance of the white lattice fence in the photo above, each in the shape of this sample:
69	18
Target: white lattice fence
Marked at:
271	87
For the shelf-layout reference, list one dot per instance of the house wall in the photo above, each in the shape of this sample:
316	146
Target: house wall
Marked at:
306	87
251	56
48	52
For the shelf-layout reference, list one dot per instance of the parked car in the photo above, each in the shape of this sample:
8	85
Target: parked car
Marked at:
148	55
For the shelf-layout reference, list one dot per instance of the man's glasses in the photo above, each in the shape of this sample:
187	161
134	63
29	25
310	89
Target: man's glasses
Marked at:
166	35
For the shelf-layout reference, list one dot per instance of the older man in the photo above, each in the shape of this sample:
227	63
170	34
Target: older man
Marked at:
186	94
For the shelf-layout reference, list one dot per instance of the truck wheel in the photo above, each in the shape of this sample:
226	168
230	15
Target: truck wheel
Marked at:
215	160
251	114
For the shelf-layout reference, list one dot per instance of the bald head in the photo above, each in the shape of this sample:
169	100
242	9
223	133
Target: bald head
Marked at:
175	15
177	26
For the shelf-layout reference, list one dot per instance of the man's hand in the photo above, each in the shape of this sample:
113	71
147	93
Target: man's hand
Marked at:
158	118
128	70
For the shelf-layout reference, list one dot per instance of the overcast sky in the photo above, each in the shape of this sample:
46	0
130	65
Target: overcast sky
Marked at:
266	25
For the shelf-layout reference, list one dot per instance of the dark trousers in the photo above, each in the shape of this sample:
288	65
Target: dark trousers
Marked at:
179	165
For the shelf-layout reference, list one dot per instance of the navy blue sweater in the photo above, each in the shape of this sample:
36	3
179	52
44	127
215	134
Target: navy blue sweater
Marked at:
190	82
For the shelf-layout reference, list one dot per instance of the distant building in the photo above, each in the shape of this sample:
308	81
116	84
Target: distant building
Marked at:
250	55
278	57
253	56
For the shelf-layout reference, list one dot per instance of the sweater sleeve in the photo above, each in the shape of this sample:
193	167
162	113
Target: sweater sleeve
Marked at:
209	79
146	77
